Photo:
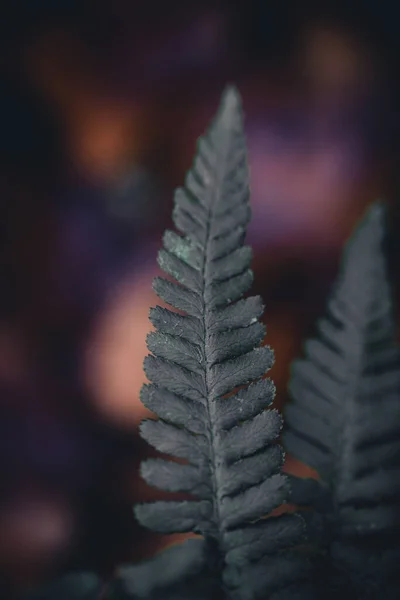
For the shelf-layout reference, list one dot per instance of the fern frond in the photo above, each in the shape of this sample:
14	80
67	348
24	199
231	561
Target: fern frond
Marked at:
171	566
233	465
344	418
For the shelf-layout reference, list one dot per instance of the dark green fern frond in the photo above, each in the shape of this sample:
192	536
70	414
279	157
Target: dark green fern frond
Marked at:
233	464
344	418
177	572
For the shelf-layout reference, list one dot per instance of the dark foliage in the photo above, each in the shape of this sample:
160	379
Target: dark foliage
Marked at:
344	420
208	390
232	463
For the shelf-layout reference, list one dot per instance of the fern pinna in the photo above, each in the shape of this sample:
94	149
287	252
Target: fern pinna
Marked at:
344	419
233	464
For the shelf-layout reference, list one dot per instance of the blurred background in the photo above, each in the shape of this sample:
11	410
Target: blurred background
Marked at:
101	104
